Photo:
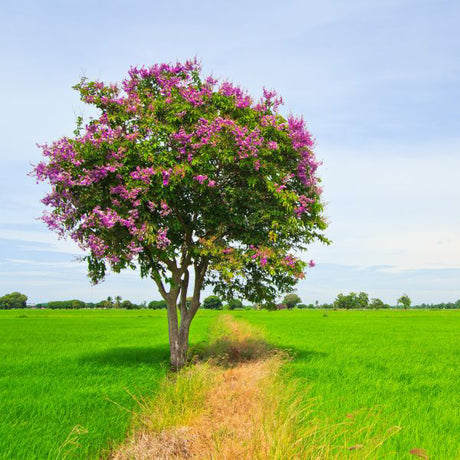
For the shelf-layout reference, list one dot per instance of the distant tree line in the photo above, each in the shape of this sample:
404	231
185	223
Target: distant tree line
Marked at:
18	300
359	301
351	301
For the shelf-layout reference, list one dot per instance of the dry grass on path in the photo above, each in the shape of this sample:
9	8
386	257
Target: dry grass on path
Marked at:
228	407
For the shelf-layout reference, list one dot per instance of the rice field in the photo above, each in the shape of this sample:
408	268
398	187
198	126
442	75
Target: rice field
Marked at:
70	379
378	369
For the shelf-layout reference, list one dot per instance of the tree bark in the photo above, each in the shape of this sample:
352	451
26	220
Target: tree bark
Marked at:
178	330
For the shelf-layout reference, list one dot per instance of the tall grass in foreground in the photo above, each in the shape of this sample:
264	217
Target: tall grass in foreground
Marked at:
291	429
375	369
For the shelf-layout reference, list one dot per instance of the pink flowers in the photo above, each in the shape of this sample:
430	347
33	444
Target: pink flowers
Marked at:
162	241
303	207
165	209
166	173
166	145
200	178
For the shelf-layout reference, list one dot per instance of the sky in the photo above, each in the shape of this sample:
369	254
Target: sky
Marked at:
376	81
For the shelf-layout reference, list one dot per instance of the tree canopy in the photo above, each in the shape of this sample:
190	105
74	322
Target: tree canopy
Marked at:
13	300
180	173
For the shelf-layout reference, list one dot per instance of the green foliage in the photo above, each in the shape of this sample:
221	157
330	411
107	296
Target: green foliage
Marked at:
177	168
212	302
291	300
352	300
127	304
13	300
378	304
157	304
65	304
234	304
404	301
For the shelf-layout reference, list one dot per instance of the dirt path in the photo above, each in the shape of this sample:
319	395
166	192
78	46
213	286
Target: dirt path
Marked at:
231	415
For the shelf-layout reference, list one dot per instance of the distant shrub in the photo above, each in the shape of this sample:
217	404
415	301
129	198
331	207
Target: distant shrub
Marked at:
378	304
212	303
66	304
233	304
291	300
157	304
128	305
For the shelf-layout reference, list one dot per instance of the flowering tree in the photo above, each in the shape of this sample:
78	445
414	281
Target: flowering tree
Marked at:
191	181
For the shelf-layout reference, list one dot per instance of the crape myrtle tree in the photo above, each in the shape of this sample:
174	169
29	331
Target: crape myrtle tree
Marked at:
190	180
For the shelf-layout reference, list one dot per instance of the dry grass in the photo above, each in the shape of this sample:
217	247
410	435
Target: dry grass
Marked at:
236	405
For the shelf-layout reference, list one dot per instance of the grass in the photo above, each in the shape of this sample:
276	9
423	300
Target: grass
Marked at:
380	383
67	378
378	371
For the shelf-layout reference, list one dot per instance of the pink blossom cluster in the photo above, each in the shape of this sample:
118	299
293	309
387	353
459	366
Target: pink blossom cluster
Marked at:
162	241
261	254
202	178
143	174
303	206
289	261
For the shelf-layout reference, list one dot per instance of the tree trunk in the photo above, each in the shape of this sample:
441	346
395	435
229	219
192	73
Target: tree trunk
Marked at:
178	337
178	349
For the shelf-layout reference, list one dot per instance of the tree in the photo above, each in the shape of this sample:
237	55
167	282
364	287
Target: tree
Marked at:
291	300
179	173
352	300
404	301
362	300
234	303
13	300
377	304
212	303
127	304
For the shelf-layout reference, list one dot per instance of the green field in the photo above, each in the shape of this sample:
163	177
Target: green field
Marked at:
62	369
395	368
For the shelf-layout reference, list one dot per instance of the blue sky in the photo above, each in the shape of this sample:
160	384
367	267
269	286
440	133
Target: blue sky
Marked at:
377	82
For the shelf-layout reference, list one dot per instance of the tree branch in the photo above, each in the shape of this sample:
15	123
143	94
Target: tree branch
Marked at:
157	278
